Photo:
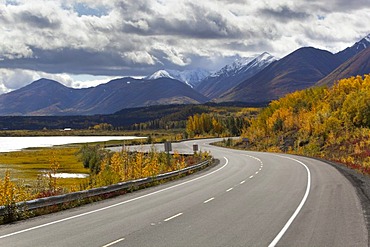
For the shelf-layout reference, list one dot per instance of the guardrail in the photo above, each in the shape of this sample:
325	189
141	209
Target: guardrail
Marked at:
80	195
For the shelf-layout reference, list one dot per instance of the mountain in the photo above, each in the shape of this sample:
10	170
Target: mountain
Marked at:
357	65
355	49
190	77
299	70
159	74
233	74
128	92
41	96
47	97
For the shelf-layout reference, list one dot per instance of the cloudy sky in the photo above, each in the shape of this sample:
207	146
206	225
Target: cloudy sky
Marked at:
86	42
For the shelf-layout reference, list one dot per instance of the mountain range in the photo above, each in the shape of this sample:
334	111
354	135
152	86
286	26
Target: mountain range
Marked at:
299	70
231	75
257	79
48	97
190	77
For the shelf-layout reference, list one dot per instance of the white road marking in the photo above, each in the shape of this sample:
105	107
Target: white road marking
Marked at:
251	176
242	182
296	212
229	190
114	205
172	217
114	242
210	199
256	172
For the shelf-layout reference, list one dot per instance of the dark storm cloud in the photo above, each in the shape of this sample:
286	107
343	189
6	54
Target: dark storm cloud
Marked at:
283	14
37	21
202	23
338	5
75	61
124	37
258	45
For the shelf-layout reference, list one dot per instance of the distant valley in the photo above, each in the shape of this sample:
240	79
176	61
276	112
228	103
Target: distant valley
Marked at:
257	80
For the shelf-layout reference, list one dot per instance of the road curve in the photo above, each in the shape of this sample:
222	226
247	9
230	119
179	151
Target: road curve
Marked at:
249	199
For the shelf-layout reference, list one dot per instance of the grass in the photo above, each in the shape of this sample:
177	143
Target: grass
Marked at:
27	165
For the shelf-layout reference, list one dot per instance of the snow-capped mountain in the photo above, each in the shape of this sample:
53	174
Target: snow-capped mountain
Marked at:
159	74
233	74
352	51
190	77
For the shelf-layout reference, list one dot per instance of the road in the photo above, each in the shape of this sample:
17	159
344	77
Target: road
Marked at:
249	199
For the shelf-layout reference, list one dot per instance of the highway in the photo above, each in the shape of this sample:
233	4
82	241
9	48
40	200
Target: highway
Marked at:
248	199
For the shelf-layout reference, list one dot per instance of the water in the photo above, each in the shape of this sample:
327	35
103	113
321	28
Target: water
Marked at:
9	144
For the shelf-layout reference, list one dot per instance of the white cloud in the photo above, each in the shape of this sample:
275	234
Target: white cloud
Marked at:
118	38
14	79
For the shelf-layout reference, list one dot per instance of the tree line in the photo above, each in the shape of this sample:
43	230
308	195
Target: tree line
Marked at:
332	123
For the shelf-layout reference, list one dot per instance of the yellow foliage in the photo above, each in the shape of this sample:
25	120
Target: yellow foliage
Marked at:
332	122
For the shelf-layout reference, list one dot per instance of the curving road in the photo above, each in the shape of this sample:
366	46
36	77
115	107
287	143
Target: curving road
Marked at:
249	199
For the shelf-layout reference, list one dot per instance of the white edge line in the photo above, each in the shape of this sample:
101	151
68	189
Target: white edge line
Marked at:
172	217
210	199
114	242
285	228
114	205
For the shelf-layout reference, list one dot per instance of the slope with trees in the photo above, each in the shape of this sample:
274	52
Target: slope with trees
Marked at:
333	123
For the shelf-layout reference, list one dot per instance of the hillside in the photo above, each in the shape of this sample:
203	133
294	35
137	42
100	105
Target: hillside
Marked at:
47	97
299	70
231	75
355	49
358	65
155	116
332	123
39	98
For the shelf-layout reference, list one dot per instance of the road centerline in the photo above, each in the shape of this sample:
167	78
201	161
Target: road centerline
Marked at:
172	217
114	242
112	206
210	199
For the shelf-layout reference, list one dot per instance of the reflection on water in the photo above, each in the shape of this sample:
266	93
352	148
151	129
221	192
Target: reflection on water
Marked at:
8	144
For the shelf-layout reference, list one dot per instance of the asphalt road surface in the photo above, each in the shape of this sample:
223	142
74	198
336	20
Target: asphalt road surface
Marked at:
248	199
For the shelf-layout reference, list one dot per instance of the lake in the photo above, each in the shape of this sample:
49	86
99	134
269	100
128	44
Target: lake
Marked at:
9	144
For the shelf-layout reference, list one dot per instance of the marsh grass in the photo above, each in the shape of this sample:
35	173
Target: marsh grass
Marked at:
28	165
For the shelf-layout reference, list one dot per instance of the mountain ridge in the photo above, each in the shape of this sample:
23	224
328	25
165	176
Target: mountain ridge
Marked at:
357	65
232	74
298	70
48	97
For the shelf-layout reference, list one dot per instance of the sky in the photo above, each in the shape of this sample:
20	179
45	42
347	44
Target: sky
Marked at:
84	43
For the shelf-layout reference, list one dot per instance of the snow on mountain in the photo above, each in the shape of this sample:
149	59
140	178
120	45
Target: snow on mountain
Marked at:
190	77
244	64
363	44
233	74
159	74
352	51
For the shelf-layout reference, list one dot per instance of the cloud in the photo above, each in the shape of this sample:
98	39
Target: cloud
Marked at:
17	78
119	38
284	14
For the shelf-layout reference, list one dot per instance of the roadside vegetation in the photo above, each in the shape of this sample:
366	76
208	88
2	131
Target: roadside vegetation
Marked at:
331	123
31	174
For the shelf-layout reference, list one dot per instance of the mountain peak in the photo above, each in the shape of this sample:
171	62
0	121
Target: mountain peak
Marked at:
159	74
352	51
234	73
189	77
363	43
